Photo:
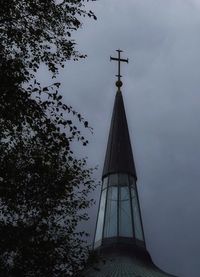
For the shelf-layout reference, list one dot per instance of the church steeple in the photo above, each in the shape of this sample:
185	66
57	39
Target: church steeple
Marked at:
119	218
119	157
119	237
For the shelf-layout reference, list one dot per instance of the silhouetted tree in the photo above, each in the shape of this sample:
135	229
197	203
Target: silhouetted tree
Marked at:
43	186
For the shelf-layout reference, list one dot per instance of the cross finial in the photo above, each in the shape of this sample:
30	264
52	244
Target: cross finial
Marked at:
119	82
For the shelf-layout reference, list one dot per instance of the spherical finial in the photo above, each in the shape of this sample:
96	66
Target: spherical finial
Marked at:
119	84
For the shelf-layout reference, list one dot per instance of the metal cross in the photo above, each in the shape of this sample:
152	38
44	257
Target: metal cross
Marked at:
119	60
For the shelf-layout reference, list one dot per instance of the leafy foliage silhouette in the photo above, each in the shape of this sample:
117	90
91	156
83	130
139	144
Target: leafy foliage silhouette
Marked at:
43	186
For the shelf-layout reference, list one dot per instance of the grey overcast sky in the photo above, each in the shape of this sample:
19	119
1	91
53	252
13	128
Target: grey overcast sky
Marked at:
161	92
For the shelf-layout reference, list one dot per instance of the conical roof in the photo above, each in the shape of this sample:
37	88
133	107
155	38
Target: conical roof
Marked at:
119	157
124	266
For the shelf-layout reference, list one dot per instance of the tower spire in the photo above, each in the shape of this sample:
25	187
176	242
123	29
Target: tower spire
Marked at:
119	156
119	60
119	237
119	218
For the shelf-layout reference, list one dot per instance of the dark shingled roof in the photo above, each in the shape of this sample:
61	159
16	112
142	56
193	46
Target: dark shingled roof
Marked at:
124	267
119	157
123	262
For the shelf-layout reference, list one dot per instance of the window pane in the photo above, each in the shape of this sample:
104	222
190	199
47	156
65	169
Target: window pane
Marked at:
105	183
111	213
113	180
123	180
100	221
136	216
125	222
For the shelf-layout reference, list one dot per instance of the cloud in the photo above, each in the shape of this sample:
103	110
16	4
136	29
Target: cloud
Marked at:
162	99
